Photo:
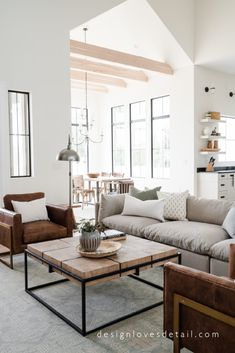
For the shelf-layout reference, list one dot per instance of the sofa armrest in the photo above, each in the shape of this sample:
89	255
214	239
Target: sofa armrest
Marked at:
208	290
110	205
13	220
62	216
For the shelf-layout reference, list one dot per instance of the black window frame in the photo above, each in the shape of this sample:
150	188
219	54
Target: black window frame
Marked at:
29	175
112	139
152	120
130	139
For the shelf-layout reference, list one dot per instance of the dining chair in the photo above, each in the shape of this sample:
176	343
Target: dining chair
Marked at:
80	190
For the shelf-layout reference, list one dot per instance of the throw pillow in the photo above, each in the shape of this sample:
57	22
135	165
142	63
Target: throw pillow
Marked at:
110	205
229	222
148	194
175	205
149	208
32	210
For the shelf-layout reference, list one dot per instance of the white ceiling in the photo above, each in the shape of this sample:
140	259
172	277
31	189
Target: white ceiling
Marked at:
135	28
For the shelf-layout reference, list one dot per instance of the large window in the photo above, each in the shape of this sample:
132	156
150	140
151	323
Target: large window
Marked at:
227	145
19	130
138	139
118	143
161	137
78	124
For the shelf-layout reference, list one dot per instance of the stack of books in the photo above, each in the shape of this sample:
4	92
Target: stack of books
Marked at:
112	234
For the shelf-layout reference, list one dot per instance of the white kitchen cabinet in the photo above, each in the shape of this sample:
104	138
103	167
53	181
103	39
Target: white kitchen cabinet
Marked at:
217	185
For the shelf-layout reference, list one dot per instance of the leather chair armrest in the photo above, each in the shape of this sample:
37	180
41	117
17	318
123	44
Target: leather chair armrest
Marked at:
8	217
213	292
13	220
232	261
62	216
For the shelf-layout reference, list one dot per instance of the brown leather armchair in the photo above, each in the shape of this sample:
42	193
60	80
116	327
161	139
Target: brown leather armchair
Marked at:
199	308
15	235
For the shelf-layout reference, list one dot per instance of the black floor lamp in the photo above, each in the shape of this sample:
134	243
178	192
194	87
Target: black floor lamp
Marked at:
69	155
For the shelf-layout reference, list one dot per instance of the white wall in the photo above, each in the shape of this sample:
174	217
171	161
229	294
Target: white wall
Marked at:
180	86
34	41
214	34
219	101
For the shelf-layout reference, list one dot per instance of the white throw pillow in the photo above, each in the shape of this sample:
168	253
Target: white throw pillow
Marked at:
175	205
149	208
32	210
229	222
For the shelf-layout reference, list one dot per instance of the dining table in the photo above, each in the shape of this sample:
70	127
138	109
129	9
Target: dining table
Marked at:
101	180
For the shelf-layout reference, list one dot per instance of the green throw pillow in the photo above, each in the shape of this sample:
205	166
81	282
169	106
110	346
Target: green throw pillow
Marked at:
149	194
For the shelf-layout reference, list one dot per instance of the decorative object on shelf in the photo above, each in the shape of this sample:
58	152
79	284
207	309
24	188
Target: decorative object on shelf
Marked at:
69	155
107	248
90	238
231	94
213	145
86	130
210	145
205	131
214	132
213	115
209	90
210	165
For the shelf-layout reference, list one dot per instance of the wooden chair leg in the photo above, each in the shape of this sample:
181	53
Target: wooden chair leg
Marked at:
4	251
10	262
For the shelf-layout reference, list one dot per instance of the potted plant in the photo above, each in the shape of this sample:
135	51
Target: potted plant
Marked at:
90	234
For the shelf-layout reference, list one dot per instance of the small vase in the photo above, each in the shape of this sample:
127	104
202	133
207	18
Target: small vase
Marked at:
90	241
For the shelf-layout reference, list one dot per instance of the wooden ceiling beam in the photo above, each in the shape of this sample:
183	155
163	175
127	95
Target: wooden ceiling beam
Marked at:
119	57
106	69
108	80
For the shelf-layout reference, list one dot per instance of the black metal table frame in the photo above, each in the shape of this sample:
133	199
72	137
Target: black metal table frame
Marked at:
82	330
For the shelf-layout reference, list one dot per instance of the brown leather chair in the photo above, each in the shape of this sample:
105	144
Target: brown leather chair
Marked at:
199	309
15	235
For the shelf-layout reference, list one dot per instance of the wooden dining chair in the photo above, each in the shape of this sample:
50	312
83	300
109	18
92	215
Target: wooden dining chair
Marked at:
80	190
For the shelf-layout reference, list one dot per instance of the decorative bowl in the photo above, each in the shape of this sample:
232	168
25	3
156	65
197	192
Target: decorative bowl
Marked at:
106	248
93	175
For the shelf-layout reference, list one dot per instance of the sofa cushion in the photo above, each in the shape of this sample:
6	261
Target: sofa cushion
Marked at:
42	230
149	208
192	236
220	250
129	224
208	211
31	211
148	194
175	205
110	205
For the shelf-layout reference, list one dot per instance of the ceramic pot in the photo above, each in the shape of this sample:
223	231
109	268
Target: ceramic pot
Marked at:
206	131
90	241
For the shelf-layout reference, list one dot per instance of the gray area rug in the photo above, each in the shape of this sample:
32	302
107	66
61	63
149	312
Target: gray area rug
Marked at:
28	327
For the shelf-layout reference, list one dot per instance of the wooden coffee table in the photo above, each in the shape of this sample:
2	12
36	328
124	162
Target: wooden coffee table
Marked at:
135	255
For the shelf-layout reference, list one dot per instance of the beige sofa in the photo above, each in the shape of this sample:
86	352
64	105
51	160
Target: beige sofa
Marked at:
203	242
